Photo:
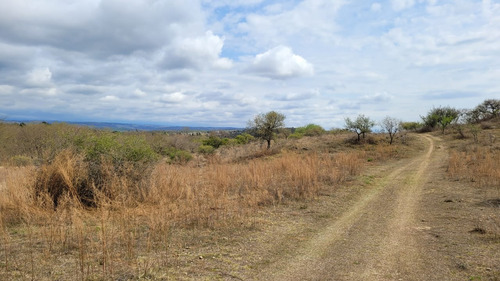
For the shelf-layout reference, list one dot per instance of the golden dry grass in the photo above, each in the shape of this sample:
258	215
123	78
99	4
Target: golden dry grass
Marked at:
70	218
477	162
127	234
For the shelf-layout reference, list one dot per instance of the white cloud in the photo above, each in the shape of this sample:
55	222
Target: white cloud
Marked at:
39	77
139	93
99	28
6	89
176	97
281	63
197	52
109	98
310	19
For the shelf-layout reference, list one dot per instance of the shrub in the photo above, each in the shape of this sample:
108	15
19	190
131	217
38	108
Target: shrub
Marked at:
206	149
309	130
177	155
215	141
244	138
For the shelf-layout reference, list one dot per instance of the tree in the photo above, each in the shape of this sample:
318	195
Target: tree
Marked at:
410	126
442	116
488	109
360	126
392	126
265	125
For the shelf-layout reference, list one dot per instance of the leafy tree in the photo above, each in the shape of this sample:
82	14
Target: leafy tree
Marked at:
360	126
266	125
392	126
442	116
488	109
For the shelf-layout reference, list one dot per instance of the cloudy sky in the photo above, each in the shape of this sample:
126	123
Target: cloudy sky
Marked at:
219	63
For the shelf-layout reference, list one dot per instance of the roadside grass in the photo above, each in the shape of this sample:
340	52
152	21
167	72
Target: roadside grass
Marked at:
476	160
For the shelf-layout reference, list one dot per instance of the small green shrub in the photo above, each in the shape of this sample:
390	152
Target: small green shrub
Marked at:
215	141
244	138
177	155
136	149
309	130
206	149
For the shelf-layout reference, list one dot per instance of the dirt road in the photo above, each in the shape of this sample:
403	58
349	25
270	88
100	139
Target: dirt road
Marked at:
392	232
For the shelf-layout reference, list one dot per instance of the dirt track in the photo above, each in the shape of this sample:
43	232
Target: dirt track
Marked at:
394	231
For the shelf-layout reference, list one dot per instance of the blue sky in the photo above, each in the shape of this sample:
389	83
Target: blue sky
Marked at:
219	63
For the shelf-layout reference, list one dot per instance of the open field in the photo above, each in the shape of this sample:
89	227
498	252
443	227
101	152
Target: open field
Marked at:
316	208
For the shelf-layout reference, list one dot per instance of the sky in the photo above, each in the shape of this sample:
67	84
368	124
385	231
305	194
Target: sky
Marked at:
220	63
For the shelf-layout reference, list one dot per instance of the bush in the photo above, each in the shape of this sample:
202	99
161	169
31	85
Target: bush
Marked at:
177	155
309	130
215	141
206	149
244	138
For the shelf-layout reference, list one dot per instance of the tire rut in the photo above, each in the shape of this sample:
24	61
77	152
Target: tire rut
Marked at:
372	240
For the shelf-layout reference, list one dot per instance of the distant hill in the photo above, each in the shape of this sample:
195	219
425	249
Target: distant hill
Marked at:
138	127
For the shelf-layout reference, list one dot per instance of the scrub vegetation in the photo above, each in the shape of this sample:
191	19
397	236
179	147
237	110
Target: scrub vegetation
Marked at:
88	204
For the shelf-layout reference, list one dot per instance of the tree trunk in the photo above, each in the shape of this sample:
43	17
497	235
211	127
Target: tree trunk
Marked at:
268	144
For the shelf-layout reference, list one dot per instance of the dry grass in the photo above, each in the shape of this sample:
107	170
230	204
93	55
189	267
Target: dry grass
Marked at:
477	162
127	234
70	218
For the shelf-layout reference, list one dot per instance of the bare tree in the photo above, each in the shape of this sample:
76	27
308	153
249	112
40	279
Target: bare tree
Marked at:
266	125
392	126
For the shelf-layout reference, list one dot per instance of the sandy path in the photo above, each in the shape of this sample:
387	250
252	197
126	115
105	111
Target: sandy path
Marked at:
377	238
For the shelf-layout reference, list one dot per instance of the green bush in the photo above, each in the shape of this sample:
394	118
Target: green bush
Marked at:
131	148
177	155
136	149
309	130
206	149
215	141
244	138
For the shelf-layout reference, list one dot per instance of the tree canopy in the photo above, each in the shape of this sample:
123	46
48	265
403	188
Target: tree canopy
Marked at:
265	125
360	126
442	116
